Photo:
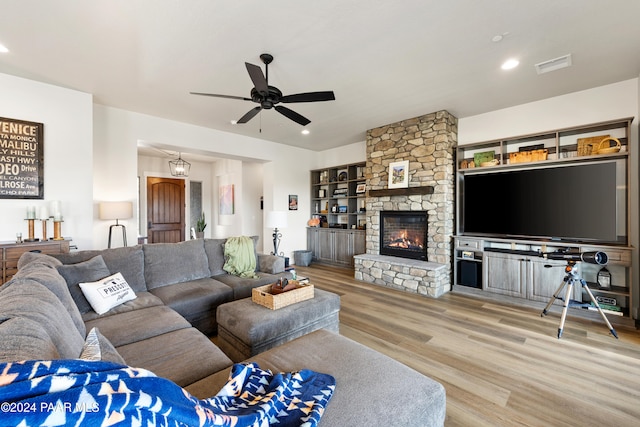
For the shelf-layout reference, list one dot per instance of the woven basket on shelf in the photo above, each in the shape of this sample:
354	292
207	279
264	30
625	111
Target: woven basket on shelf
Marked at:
585	145
607	148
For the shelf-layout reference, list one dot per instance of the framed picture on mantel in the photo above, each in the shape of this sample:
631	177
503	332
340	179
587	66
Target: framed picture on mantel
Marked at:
399	174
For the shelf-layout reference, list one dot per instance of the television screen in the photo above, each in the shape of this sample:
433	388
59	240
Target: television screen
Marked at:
580	202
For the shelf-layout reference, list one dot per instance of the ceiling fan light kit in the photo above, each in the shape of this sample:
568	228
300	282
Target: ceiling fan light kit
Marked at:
269	96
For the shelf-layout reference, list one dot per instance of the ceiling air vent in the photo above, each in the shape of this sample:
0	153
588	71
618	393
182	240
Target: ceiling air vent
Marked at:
553	64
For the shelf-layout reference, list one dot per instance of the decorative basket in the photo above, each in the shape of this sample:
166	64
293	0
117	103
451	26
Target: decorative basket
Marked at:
586	145
528	156
607	148
261	295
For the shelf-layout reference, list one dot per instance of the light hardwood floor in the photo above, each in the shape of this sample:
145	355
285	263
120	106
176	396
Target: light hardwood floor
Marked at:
501	364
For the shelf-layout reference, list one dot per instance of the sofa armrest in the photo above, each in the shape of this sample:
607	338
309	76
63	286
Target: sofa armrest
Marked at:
271	264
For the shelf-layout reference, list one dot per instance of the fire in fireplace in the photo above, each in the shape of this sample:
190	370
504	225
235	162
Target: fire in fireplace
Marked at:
403	234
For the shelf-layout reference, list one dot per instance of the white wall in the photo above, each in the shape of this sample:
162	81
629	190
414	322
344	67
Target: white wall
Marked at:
283	167
68	156
614	101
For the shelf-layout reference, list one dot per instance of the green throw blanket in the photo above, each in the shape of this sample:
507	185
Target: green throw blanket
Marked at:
240	257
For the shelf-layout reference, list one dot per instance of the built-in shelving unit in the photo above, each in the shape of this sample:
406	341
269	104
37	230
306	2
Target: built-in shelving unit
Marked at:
510	266
338	197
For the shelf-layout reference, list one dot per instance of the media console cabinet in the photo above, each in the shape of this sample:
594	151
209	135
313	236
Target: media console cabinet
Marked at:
502	266
509	266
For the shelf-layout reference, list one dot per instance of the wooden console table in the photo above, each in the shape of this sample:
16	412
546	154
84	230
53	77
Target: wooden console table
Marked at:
12	251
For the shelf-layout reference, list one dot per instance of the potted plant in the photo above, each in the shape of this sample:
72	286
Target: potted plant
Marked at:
200	226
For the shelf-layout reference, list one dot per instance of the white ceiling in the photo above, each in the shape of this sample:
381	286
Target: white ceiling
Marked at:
385	60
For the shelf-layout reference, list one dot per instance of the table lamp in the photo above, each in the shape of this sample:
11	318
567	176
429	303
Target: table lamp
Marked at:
117	211
276	219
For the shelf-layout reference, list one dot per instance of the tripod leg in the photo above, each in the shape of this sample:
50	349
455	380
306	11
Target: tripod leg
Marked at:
595	302
565	306
555	296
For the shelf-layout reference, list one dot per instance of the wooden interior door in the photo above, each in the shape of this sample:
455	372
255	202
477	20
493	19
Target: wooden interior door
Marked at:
165	210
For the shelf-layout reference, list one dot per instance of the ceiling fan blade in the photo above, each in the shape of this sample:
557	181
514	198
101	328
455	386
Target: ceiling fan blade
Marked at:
257	77
309	97
221	96
250	115
292	115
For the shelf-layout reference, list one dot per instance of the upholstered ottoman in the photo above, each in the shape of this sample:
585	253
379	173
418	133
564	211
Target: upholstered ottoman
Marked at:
246	328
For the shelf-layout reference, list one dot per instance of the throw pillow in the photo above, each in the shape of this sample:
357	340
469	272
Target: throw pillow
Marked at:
98	347
86	271
107	293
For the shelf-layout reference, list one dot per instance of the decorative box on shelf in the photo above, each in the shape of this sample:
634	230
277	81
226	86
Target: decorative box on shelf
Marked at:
261	295
528	156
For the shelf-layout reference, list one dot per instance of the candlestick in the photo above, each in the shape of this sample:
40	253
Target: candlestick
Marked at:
57	230
44	229
44	213
30	222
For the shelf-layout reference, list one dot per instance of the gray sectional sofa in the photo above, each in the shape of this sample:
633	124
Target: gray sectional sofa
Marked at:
178	286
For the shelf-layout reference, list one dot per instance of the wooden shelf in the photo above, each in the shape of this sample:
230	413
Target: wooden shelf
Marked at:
411	191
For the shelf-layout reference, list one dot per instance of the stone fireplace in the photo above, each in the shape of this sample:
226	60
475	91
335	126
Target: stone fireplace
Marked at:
404	234
427	142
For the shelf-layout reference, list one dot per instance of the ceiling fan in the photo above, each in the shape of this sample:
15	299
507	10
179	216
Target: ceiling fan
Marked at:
269	96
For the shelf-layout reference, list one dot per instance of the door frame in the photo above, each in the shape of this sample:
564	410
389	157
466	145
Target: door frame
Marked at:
142	201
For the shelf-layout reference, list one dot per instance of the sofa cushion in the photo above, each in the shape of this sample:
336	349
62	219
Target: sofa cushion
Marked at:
87	271
196	300
184	356
169	263
98	347
128	260
43	270
214	248
142	300
29	299
28	257
25	339
270	264
137	325
107	293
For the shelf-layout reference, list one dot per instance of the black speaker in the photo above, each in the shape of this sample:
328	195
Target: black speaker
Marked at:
469	273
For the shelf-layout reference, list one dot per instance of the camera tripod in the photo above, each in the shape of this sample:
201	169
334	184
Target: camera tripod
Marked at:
569	280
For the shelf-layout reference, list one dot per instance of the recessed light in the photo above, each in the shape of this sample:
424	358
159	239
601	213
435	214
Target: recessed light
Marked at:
510	64
305	132
3	49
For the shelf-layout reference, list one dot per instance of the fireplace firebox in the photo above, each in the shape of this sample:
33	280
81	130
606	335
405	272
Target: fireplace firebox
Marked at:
404	234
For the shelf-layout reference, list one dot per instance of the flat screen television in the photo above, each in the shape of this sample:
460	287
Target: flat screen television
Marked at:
583	202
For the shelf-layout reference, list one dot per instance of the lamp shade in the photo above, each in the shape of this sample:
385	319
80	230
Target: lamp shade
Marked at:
116	210
276	219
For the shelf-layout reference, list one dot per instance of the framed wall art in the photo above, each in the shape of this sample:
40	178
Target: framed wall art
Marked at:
399	174
361	188
22	159
293	202
226	200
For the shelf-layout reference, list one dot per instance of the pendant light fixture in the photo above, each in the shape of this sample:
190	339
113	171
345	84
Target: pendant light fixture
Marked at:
179	167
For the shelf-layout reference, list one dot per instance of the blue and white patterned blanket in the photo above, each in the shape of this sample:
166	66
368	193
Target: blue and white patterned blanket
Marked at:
86	393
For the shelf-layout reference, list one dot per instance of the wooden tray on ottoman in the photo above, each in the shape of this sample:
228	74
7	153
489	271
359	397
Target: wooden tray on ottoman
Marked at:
261	295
